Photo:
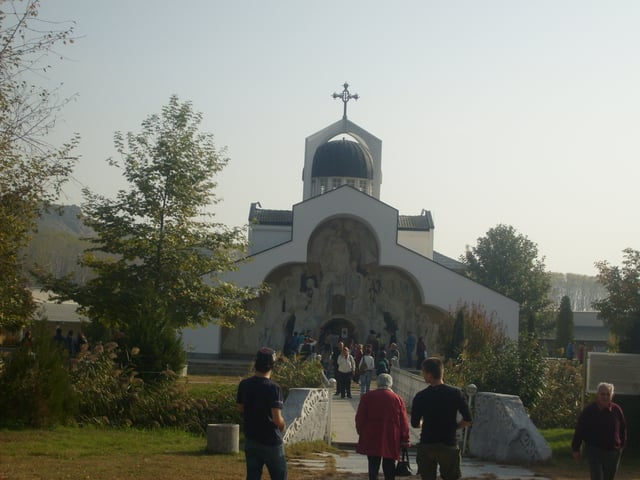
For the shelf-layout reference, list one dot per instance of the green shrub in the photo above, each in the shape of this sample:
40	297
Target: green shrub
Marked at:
495	363
297	373
36	388
219	405
561	400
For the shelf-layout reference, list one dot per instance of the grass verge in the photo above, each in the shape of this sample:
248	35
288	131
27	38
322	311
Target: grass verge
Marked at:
90	453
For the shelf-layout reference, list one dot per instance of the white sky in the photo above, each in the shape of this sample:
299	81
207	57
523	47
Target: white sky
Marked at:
517	112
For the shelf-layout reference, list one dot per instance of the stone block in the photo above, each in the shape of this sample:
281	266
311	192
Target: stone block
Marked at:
502	431
223	438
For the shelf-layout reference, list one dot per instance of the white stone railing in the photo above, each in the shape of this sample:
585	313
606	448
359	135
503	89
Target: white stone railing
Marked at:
306	412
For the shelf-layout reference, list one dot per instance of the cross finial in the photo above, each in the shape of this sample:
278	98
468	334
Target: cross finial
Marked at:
345	96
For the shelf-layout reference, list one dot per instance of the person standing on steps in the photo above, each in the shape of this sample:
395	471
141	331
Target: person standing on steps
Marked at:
346	369
260	402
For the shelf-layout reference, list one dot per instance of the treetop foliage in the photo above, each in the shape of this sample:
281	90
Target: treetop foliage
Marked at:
621	308
31	170
508	262
157	257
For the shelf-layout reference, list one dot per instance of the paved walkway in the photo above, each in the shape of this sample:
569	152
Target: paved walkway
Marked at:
344	436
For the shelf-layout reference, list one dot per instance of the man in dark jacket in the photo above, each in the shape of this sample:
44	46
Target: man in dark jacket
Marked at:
603	429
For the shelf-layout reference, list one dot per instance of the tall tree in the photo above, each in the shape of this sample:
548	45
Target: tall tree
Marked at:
564	325
508	262
621	308
158	257
31	170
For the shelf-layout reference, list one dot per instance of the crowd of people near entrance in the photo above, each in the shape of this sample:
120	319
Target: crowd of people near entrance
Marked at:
329	346
382	421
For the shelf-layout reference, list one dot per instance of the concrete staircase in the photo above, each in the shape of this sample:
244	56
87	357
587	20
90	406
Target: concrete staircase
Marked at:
229	368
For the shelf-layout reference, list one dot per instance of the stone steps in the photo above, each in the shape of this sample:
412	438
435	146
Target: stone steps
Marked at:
220	367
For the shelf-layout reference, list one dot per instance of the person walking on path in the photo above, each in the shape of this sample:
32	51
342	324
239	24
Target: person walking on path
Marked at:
421	353
410	345
603	429
366	368
383	364
383	428
260	402
435	410
346	369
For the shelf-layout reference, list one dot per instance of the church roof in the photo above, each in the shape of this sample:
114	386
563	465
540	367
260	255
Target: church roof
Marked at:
416	222
342	158
264	216
448	262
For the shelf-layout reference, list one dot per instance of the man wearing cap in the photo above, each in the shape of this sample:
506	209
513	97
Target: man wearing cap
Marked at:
260	402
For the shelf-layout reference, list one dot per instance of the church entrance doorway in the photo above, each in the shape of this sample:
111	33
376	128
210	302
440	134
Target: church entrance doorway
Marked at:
337	329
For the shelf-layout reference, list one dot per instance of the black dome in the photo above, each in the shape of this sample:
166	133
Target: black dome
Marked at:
342	158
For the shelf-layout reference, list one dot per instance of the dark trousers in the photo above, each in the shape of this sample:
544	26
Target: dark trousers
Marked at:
388	467
603	464
344	384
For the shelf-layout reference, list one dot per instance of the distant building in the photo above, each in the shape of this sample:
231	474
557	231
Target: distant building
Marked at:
587	329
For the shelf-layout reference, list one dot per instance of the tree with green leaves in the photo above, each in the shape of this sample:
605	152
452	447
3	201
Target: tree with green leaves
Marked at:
564	325
158	258
31	170
456	342
508	262
620	310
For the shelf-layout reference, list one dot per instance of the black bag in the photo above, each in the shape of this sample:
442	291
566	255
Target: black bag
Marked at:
403	468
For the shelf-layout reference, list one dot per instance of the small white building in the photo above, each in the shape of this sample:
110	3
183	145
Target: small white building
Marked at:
342	262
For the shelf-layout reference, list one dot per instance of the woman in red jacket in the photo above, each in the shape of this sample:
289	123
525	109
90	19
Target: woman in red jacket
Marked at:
383	428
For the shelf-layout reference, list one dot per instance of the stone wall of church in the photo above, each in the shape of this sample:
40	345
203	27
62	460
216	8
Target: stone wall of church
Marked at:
340	291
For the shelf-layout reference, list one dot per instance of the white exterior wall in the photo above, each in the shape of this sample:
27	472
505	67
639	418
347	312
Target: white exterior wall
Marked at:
262	237
202	339
419	241
438	285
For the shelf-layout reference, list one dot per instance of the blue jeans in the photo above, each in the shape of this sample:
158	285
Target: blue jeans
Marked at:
365	382
259	455
603	464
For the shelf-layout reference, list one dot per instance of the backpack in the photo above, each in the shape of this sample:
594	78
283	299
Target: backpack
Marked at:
363	366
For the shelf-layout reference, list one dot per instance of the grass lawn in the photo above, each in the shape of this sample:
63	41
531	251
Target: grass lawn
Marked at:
90	454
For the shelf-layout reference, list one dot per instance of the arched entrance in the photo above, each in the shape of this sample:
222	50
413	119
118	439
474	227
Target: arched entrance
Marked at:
338	328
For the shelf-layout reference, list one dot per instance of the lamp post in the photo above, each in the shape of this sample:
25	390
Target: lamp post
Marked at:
470	390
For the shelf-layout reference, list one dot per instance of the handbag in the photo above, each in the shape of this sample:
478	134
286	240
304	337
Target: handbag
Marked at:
403	467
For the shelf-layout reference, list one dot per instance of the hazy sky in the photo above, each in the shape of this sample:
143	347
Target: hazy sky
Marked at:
517	112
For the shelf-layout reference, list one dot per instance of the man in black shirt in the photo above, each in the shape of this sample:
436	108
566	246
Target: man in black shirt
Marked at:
260	402
435	409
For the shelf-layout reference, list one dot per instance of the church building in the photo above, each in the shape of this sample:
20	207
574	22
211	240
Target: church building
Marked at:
342	263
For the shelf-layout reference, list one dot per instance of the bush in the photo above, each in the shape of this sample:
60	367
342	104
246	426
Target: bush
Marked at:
297	373
561	400
36	388
494	363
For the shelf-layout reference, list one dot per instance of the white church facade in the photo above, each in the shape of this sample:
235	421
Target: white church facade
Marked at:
342	262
